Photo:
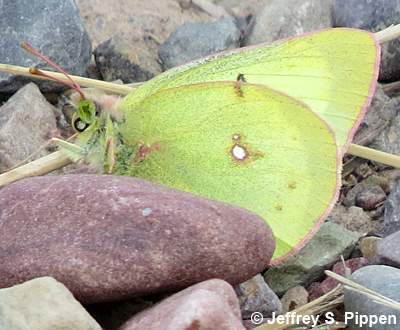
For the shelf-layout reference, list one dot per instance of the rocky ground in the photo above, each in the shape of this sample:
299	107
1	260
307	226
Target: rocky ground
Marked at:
112	273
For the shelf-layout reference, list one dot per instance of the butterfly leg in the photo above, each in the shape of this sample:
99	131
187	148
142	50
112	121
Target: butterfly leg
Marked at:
110	152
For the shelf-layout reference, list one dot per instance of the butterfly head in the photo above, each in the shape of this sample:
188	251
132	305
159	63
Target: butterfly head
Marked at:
93	119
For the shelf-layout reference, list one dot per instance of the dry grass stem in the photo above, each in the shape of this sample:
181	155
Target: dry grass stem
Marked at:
40	166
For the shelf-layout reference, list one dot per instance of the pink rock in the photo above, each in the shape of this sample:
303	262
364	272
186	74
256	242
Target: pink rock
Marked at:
208	305
317	289
111	238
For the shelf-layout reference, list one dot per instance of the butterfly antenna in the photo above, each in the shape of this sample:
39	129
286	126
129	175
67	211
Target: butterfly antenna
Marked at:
30	49
39	72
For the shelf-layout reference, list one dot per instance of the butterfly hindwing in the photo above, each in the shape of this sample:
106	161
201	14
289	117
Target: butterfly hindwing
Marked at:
239	143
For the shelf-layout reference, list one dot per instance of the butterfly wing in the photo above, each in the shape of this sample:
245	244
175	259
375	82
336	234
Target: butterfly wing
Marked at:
239	143
333	71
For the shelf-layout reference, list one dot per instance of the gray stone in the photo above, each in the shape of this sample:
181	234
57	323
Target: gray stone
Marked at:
288	18
382	279
256	296
53	27
112	238
370	198
393	177
389	139
42	304
353	218
391	222
373	16
327	246
379	115
208	305
115	60
388	250
27	122
194	40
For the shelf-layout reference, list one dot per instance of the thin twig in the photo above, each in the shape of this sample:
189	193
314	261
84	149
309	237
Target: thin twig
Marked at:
390	33
39	166
375	155
87	82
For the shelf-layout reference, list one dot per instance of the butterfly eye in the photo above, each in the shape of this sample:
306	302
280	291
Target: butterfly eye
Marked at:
78	124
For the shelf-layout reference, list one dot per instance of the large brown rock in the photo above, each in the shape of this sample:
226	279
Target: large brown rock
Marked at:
108	237
208	305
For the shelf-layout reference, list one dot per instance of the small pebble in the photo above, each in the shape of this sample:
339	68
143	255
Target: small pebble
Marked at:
294	298
370	198
369	248
256	296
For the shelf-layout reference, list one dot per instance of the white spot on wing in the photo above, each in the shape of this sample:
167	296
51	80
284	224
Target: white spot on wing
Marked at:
239	152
